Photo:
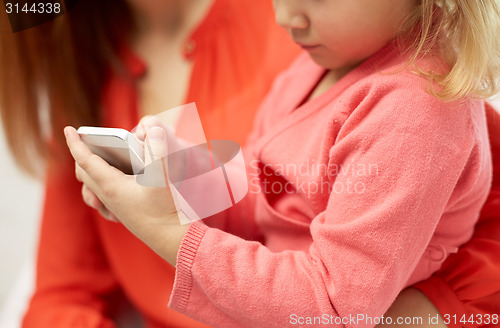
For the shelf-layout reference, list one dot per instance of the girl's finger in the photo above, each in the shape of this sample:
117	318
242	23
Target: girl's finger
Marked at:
93	201
90	198
87	181
140	130
105	213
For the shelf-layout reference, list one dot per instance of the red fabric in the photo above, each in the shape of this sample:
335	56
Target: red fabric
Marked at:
469	281
82	258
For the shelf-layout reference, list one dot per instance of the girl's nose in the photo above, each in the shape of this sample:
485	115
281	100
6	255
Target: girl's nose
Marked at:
289	17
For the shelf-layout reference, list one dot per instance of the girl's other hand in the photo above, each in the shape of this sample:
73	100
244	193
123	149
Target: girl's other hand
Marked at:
148	132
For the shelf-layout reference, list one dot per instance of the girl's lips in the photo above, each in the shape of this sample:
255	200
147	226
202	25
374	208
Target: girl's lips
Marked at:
308	46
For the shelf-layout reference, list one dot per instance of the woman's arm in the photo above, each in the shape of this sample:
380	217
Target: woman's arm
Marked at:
465	292
412	309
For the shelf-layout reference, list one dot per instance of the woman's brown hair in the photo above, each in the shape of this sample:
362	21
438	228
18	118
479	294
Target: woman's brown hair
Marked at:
64	62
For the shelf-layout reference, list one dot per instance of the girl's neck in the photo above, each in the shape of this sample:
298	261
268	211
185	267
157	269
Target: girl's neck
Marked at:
330	78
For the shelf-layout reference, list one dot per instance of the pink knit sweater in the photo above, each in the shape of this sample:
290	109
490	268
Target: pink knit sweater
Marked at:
354	195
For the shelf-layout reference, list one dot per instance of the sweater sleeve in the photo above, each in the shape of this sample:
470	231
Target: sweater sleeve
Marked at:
72	277
468	283
365	245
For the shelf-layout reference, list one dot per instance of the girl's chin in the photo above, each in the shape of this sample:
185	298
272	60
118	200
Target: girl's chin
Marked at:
327	62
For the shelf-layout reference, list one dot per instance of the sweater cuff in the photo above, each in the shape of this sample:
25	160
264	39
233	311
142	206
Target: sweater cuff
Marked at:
185	260
445	300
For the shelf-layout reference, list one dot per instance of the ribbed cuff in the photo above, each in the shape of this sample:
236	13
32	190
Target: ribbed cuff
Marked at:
185	258
445	300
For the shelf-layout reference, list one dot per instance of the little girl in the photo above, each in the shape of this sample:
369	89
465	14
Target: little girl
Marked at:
372	162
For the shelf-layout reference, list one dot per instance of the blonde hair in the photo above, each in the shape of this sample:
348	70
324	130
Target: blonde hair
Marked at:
467	35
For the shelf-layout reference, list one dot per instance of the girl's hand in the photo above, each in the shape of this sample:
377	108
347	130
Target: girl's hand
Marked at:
147	212
140	132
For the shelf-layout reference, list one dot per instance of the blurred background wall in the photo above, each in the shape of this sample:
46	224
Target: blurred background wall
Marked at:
20	206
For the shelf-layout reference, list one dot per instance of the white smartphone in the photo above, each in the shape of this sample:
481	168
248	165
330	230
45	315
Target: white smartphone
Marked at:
118	147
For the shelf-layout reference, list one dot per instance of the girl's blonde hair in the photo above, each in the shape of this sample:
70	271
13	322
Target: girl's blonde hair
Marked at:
467	33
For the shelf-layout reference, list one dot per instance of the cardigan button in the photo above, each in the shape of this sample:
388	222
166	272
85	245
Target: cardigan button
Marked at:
438	253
